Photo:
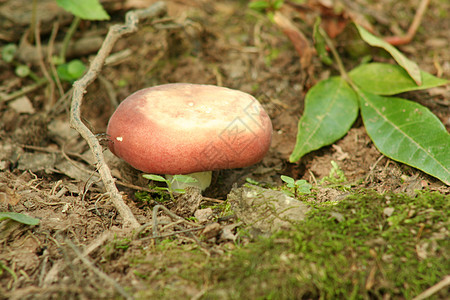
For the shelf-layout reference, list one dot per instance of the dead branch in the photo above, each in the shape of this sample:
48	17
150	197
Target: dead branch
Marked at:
115	32
98	272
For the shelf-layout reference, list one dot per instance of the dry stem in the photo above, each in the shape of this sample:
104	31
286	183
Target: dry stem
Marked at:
115	32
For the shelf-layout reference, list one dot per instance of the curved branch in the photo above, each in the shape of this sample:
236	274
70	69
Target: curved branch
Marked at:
115	32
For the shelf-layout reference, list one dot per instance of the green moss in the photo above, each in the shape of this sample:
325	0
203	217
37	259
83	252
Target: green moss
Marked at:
367	246
366	254
170	271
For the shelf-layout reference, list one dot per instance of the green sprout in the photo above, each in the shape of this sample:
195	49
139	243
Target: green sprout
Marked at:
296	187
252	181
336	174
170	183
71	71
8	55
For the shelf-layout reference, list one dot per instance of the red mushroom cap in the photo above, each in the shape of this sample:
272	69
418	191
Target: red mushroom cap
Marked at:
183	128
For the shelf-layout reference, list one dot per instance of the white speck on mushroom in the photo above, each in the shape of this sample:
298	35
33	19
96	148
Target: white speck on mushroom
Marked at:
119	138
191	104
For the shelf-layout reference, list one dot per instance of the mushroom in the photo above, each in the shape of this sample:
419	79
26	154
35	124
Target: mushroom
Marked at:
184	128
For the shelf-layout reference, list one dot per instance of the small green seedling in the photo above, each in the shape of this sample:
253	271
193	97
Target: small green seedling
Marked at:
170	183
71	71
336	175
9	52
252	181
21	218
296	187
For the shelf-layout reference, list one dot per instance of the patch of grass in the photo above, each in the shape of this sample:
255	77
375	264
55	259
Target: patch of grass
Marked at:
171	270
366	246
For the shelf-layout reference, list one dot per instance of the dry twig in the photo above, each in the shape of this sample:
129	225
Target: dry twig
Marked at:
115	32
98	272
434	289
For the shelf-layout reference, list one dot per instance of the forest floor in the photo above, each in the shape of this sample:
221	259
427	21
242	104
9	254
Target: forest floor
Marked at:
373	228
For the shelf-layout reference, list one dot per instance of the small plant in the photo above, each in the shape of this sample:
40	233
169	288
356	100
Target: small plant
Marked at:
71	71
336	175
252	181
8	55
18	217
170	183
266	6
123	244
82	10
402	130
296	187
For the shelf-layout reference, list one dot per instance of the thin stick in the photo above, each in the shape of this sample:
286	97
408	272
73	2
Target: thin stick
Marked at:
68	37
171	214
99	273
51	44
37	37
435	288
114	33
407	38
23	91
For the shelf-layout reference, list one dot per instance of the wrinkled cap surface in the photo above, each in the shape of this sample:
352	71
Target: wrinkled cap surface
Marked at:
184	128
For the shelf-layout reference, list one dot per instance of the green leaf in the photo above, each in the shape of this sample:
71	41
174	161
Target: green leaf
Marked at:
303	186
259	6
407	132
411	67
76	68
8	52
287	179
21	218
387	79
71	71
63	73
277	4
85	9
184	178
155	177
331	107
22	71
320	44
180	191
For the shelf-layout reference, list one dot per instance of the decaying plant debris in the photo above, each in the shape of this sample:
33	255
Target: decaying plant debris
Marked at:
97	238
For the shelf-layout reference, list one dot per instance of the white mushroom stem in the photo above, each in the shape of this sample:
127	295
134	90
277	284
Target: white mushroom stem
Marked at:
203	181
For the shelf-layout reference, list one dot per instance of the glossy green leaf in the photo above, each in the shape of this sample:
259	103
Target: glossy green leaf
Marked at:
85	9
407	132
387	79
411	67
289	180
21	218
154	177
331	107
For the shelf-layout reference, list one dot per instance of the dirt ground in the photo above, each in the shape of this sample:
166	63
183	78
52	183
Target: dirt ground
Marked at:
47	170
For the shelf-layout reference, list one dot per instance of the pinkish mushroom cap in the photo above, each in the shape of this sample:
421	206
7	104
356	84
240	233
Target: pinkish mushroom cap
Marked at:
185	128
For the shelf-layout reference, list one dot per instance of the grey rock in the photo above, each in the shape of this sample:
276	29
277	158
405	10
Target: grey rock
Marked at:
266	211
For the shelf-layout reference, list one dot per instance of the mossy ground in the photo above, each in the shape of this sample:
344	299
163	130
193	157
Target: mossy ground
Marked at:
367	246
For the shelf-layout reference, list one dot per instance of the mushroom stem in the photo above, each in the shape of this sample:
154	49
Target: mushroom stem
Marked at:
203	181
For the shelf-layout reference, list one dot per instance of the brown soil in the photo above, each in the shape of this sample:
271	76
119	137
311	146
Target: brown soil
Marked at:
47	170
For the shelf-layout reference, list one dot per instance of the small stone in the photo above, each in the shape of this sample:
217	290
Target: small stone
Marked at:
202	215
265	210
388	211
22	105
211	230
